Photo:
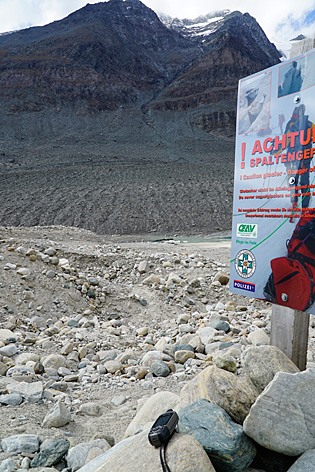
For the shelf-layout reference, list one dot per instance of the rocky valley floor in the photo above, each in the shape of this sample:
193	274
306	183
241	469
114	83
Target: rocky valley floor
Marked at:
91	327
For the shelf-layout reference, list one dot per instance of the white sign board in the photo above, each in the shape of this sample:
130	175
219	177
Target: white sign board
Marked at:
273	233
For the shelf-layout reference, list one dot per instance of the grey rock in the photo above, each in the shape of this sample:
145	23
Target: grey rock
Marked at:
119	400
225	442
91	409
9	351
305	463
220	325
184	347
57	417
31	392
151	357
258	337
150	410
52	454
207	334
136	454
160	369
12	399
3	369
113	366
8	465
27	443
55	361
261	363
77	455
282	418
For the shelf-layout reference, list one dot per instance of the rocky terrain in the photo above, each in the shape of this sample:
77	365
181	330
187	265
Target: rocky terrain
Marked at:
99	336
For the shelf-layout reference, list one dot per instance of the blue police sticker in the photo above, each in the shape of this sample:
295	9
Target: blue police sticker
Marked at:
244	286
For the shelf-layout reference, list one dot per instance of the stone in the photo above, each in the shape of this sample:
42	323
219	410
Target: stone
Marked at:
220	325
182	356
173	279
136	454
54	360
143	267
113	366
282	418
9	351
94	452
6	334
119	400
151	357
305	463
24	271
31	392
261	363
225	442
26	357
142	331
225	361
12	399
233	393
184	347
3	368
26	443
8	465
152	279
77	455
91	409
258	337
207	334
222	277
150	410
57	417
51	455
160	369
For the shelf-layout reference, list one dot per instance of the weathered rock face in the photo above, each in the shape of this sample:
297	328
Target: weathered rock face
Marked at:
234	394
282	418
228	447
261	363
136	454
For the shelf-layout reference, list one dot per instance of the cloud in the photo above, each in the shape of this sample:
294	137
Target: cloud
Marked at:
280	21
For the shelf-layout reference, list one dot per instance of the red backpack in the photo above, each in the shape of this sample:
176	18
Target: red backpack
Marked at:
291	283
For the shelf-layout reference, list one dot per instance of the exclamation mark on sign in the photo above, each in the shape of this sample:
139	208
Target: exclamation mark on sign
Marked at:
243	156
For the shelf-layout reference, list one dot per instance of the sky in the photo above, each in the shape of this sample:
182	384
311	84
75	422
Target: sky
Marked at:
281	21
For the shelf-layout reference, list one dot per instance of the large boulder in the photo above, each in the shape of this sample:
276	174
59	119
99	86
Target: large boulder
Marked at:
232	393
225	442
136	454
261	363
152	408
305	463
282	418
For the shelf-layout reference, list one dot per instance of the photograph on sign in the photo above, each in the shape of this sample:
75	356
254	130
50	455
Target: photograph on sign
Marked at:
273	231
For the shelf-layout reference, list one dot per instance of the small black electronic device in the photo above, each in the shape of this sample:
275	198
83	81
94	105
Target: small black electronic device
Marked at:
163	428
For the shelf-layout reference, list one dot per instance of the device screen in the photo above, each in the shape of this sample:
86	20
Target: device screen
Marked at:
163	419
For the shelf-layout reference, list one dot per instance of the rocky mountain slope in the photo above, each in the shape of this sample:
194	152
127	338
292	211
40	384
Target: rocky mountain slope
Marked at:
112	85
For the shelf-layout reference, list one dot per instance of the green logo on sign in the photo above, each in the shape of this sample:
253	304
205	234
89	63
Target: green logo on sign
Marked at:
247	231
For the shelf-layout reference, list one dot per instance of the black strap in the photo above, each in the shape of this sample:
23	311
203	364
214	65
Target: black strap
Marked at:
164	464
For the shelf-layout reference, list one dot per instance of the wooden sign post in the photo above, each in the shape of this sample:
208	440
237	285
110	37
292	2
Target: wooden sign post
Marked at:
289	328
289	332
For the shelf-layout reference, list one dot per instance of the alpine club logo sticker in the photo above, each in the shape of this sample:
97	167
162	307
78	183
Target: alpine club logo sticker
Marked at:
245	263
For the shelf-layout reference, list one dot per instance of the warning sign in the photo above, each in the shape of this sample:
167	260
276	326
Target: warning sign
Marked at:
273	233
